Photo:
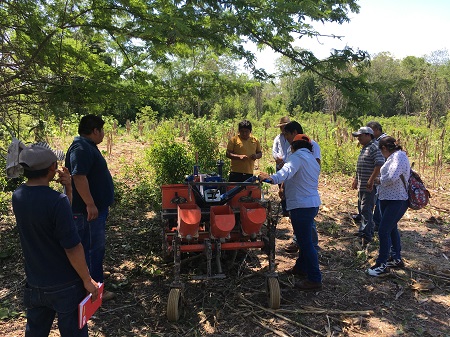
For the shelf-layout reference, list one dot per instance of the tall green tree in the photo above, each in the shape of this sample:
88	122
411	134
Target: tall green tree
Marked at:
74	55
306	94
429	84
387	83
306	90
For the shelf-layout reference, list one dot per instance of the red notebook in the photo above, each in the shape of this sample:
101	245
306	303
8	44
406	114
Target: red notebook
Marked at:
87	308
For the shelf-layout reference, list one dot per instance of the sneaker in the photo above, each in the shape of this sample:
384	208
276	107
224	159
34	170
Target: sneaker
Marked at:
378	270
307	285
395	263
291	248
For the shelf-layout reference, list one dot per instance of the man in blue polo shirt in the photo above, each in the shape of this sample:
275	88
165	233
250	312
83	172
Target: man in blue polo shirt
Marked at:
55	265
93	192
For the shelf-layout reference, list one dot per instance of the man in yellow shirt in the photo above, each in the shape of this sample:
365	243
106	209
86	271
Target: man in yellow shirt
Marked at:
243	150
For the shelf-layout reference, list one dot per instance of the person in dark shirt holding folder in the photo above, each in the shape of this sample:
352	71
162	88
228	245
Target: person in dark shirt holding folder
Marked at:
55	266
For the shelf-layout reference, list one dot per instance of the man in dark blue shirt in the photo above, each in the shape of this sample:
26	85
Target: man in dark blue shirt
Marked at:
93	192
55	265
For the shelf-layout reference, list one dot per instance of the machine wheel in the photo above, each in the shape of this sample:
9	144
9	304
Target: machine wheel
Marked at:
174	304
273	293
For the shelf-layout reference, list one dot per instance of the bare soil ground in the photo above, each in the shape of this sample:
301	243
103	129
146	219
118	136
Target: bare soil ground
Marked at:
414	301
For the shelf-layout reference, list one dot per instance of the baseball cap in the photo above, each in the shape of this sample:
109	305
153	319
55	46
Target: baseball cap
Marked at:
363	130
35	157
301	136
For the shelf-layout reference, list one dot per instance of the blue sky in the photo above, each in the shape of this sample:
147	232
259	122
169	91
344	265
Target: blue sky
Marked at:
401	27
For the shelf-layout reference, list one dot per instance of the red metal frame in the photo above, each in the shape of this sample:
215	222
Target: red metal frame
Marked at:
199	247
212	233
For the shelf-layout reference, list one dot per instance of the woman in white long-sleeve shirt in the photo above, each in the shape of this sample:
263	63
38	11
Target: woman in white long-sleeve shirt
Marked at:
393	197
302	201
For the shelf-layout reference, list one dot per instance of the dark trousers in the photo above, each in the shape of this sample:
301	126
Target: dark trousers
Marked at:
391	213
92	235
302	221
366	202
239	177
44	303
377	213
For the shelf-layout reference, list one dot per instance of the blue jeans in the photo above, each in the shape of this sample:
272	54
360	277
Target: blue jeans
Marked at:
314	237
92	235
391	213
43	303
366	202
302	221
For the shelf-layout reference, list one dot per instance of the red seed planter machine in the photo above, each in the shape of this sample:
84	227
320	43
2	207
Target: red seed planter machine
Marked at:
209	215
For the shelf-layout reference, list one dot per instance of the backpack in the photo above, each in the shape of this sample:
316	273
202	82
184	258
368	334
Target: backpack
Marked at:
418	195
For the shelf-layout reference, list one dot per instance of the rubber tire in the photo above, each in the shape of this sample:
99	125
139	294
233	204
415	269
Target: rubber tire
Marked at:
273	293
174	305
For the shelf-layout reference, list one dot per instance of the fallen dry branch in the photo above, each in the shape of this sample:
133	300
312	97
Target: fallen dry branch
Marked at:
138	301
119	308
318	333
328	312
259	320
273	312
443	278
346	238
16	288
439	208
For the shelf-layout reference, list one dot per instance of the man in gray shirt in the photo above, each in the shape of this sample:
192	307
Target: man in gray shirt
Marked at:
368	167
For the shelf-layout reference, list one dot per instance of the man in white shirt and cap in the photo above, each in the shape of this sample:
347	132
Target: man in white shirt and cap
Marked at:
280	150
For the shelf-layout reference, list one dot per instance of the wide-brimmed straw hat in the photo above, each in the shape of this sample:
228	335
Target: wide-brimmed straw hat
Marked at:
283	121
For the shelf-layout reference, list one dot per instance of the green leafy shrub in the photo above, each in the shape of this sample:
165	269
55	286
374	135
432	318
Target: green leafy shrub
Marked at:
337	158
3	181
203	139
141	195
170	160
226	164
5	202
